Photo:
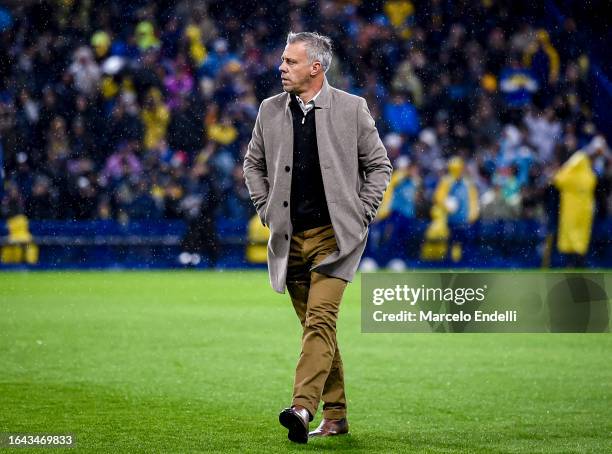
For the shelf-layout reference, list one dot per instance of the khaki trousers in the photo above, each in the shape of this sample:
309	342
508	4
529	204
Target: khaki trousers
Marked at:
316	300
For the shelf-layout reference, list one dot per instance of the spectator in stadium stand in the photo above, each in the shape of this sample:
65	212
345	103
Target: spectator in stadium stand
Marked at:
238	206
544	131
178	84
401	16
312	147
41	203
155	117
200	240
576	184
186	127
397	213
142	206
123	125
457	196
217	59
121	164
407	81
13	202
543	60
401	115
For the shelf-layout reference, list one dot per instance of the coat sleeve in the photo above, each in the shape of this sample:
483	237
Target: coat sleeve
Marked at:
373	161
255	170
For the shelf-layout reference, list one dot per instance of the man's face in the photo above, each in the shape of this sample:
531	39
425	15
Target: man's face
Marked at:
295	70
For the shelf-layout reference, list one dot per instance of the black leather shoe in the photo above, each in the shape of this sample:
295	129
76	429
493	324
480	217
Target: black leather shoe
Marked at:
330	427
296	419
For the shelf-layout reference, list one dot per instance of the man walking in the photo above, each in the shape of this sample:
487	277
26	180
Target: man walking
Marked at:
316	171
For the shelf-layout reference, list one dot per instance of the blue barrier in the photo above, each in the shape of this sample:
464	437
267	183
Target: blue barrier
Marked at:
148	245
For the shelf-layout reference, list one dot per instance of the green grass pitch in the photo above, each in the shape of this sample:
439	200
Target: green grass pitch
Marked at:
204	361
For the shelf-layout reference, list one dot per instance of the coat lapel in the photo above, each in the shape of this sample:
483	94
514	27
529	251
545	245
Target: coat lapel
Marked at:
322	122
286	141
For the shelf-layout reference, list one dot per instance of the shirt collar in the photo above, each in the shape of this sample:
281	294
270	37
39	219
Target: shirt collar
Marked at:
322	96
309	102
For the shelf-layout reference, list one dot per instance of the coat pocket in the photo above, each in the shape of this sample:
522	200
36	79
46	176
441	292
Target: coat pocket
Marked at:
263	213
364	213
349	223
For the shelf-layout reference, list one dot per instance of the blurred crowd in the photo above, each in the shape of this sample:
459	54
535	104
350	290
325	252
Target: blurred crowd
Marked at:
143	110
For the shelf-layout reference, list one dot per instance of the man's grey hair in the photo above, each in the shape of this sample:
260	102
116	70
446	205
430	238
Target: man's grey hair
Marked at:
318	47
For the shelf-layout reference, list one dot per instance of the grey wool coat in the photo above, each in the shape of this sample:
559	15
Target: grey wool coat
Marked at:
354	166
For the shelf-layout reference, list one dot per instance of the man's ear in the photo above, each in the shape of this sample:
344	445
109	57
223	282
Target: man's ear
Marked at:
316	68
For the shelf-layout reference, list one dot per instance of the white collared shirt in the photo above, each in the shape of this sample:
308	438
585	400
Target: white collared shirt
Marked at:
309	105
